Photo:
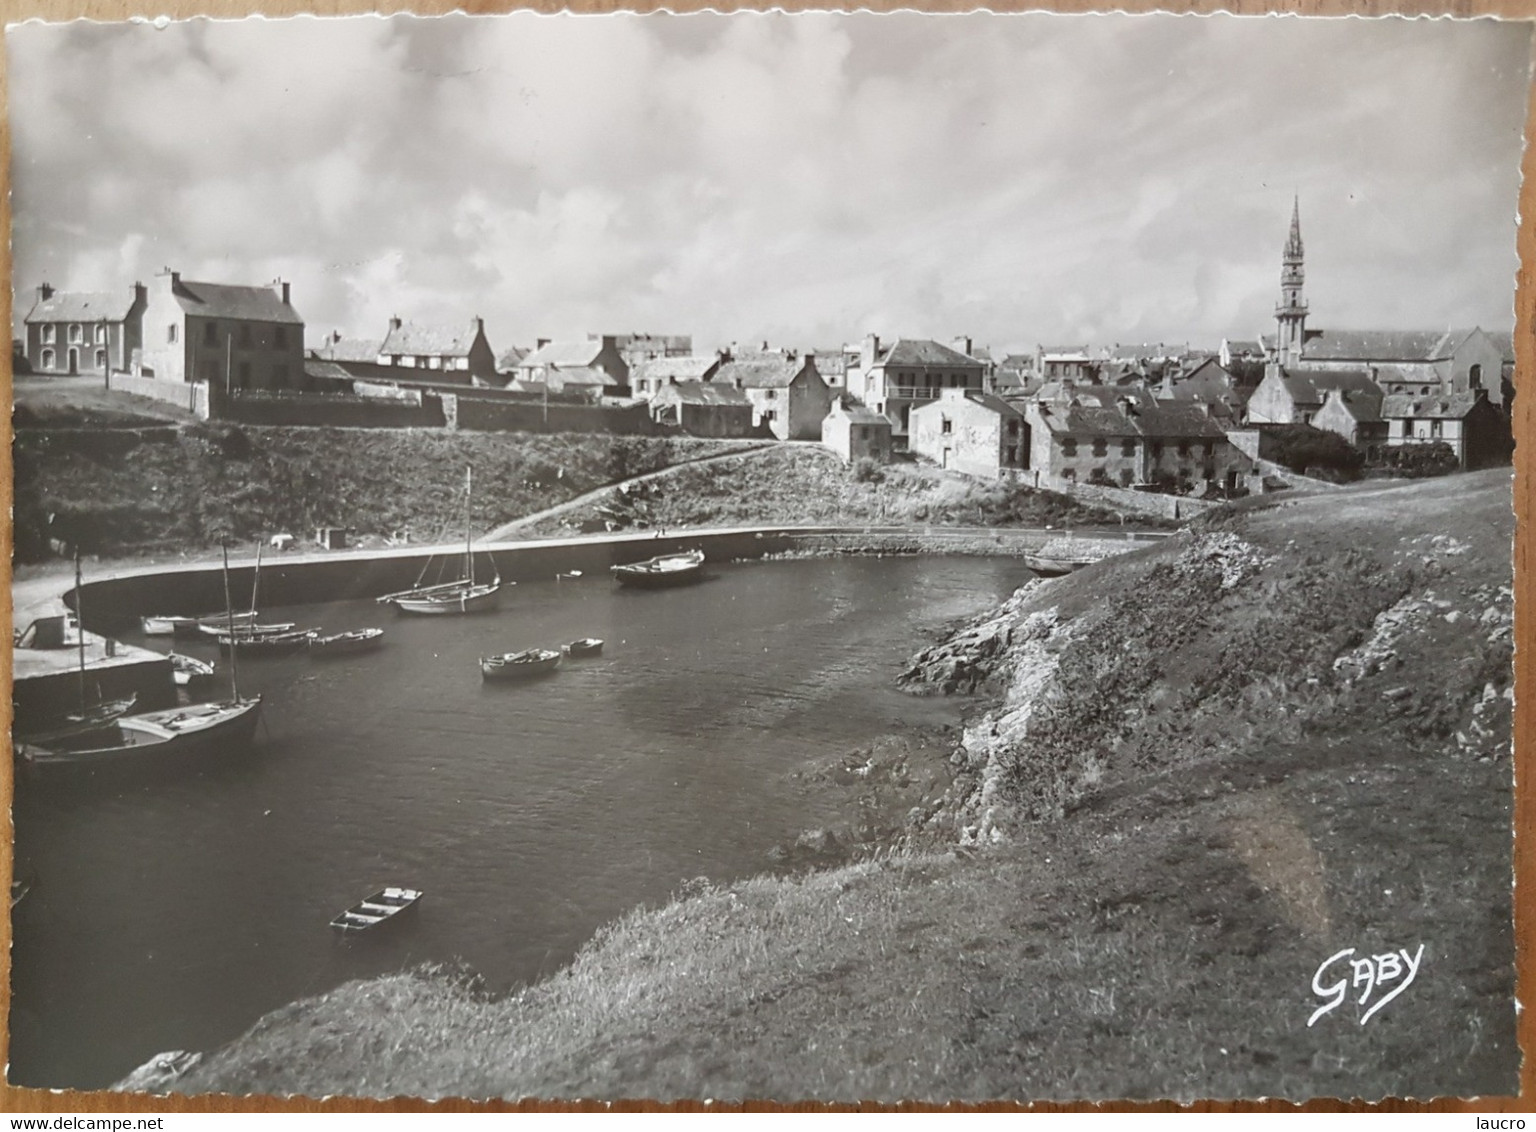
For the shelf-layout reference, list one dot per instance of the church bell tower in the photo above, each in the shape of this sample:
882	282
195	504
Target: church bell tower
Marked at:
1291	311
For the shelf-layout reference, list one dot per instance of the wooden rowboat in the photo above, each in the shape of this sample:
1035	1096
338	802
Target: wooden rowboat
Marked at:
587	646
663	570
345	644
519	665
377	909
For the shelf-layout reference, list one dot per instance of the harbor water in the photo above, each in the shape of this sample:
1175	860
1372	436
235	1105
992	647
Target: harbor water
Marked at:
172	912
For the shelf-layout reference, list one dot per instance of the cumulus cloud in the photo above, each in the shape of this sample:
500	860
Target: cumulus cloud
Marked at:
805	178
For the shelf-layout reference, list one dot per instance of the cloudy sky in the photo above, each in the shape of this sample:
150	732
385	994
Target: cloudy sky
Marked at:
802	179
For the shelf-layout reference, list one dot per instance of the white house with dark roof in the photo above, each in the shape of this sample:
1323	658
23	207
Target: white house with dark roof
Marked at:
84	331
968	431
704	408
786	391
541	367
1064	363
238	337
894	378
458	355
1468	423
1295	396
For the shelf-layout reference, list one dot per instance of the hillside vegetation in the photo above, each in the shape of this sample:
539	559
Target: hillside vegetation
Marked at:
1202	769
118	489
806	483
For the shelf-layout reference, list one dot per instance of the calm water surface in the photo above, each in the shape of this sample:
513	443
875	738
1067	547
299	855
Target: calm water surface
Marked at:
171	914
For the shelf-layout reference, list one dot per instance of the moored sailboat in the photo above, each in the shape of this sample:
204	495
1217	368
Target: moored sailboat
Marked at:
463	595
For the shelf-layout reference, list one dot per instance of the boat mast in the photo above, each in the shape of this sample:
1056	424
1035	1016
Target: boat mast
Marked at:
469	552
229	610
256	582
80	630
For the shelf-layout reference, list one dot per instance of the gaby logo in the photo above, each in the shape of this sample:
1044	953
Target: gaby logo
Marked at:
1373	972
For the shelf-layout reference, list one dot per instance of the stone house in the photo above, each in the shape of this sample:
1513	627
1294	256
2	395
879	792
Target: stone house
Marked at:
786	391
704	408
856	433
1296	395
1468	423
647	378
600	352
977	433
1064	363
1121	438
438	354
895	378
233	336
1356	416
93	332
1409	361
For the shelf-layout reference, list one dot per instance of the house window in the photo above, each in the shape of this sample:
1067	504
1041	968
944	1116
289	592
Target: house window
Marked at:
863	432
1475	377
434	363
1069	475
50	333
1434	428
47	359
101	333
394	360
1013	428
1183	448
245	334
170	334
1069	447
76	334
101	359
946	426
210	333
1157	450
772	394
1100	447
1127	448
1126	478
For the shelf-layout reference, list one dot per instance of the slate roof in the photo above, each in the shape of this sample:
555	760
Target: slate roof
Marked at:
1453	406
667	343
82	306
859	415
573	352
430	341
1311	386
830	361
685	367
583	375
328	370
763	371
985	400
924	352
703	393
1161	420
1363	406
1244	346
511	357
1065	351
348	350
227	300
1414	373
1382	345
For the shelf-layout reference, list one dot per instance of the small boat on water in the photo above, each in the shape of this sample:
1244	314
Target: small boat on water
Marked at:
587	646
188	670
1054	567
663	570
344	644
379	908
212	628
179	731
465	594
265	643
519	665
191	626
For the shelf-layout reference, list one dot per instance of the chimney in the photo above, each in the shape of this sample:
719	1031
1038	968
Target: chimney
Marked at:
140	292
45	292
394	322
540	343
284	284
174	276
962	345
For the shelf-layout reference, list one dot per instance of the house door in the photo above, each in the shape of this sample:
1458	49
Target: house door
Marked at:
74	360
944	457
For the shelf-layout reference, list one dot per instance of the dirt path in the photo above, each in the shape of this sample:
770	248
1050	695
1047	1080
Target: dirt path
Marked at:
510	530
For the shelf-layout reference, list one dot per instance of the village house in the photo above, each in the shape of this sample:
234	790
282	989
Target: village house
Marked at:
786	391
1064	363
1128	438
358	357
647	378
977	433
508	360
1467	423
637	348
92	332
1295	396
1012	375
704	409
1354	414
1211	385
541	368
235	336
856	433
893	379
1235	350
453	355
833	367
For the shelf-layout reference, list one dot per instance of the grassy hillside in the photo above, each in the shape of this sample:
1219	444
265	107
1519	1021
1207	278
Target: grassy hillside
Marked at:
120	489
1212	765
809	484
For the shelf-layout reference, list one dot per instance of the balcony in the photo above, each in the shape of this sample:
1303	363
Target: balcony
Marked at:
912	392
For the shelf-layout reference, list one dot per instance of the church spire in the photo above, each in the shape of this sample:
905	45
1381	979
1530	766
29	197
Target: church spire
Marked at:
1291	311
